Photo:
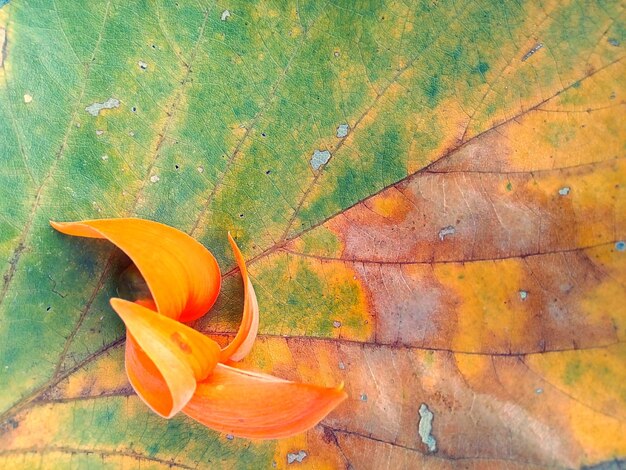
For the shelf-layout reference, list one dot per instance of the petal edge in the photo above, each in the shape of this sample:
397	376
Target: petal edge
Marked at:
241	345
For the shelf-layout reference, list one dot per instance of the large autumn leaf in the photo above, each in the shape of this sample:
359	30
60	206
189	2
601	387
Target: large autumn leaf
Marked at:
430	197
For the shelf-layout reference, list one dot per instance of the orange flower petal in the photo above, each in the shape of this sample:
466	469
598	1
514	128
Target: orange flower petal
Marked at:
182	275
146	379
244	340
259	406
179	354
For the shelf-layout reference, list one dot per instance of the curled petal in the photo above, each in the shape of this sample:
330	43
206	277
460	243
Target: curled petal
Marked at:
259	406
241	345
149	383
182	275
164	351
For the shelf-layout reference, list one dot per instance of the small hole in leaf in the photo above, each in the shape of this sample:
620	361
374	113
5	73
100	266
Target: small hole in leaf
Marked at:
241	215
267	172
263	134
134	109
48	309
176	166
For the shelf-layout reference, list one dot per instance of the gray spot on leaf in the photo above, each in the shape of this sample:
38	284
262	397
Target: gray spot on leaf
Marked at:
296	457
225	15
523	294
95	108
534	49
319	158
336	323
342	130
613	42
449	230
425	427
564	191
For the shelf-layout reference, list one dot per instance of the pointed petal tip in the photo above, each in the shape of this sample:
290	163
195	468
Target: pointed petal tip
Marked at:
120	305
232	242
243	342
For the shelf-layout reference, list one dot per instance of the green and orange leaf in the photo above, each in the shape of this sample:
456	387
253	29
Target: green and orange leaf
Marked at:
457	258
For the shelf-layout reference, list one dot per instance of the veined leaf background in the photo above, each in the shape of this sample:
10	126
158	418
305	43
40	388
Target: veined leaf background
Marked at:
430	196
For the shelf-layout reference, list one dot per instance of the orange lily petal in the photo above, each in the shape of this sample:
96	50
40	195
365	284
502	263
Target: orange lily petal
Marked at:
182	275
173	367
146	379
179	355
259	406
241	345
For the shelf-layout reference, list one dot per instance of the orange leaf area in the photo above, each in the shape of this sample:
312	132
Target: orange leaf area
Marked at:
478	401
494	249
